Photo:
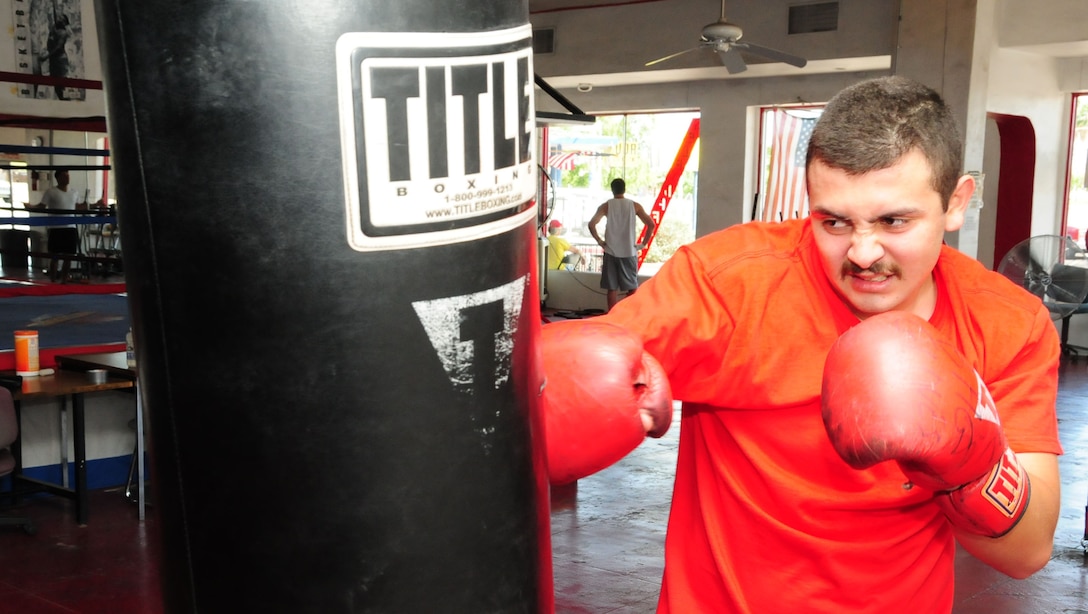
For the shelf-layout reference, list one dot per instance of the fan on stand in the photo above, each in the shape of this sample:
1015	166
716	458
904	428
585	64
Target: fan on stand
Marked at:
1055	269
724	38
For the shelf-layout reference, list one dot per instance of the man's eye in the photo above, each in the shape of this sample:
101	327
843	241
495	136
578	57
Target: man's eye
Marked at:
894	222
836	224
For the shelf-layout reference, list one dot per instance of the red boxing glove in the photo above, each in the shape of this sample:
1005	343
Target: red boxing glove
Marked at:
602	395
893	389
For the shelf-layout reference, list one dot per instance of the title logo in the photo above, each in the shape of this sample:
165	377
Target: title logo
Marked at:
1006	487
438	140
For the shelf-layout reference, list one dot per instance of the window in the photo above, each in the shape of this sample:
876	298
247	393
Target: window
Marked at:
1076	224
641	148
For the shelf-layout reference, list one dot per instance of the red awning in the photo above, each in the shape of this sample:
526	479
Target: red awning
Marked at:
563	160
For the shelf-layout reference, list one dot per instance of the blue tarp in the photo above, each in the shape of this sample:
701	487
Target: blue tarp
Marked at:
65	320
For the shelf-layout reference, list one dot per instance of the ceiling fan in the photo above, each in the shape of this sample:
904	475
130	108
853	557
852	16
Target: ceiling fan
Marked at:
724	38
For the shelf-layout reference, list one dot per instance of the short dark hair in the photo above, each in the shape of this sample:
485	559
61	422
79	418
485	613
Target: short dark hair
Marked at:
619	186
871	125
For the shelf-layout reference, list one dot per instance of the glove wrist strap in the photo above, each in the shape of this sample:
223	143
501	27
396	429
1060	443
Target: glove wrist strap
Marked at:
992	504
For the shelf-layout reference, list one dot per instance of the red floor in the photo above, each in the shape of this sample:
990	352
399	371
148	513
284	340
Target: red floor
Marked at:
607	543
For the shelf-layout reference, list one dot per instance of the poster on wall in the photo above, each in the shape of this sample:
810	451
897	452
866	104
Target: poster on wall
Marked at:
49	43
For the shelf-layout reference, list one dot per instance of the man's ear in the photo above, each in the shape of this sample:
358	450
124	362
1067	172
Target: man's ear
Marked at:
957	204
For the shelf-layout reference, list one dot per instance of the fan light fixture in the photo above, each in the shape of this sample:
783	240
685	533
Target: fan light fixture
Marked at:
724	38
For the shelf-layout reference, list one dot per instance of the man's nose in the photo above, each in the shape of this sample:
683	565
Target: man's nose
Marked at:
865	248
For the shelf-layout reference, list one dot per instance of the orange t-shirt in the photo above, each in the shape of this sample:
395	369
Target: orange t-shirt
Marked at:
765	515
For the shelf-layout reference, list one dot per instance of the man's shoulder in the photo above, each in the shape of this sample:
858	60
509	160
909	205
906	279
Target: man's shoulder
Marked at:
987	294
51	197
775	243
787	233
971	275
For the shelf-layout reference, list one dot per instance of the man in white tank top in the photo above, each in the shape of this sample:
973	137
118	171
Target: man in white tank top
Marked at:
619	270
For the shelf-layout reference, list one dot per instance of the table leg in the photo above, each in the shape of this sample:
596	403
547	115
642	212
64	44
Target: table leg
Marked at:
64	442
79	441
17	451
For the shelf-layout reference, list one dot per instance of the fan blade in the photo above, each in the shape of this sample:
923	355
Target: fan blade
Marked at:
772	54
1024	264
1051	267
732	61
1069	278
669	57
1068	284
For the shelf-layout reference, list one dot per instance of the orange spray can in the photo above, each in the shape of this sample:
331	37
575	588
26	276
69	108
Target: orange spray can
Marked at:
26	353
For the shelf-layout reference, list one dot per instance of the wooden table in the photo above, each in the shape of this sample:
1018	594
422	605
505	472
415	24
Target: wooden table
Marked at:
116	364
62	384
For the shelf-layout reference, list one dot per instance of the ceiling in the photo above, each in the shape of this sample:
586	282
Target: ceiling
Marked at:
757	67
1039	46
538	6
1029	42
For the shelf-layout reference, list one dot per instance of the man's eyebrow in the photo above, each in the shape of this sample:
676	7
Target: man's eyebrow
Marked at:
907	211
824	211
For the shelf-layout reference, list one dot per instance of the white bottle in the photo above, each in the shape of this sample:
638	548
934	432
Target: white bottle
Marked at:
130	350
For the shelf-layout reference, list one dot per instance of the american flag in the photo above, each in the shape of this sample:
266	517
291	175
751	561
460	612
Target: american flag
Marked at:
785	195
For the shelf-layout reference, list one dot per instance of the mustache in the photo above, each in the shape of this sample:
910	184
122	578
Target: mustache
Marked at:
877	268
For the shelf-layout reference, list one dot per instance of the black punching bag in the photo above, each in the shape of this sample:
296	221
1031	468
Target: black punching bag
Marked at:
327	220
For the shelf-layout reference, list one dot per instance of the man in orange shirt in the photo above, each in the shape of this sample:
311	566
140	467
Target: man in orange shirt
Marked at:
800	490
